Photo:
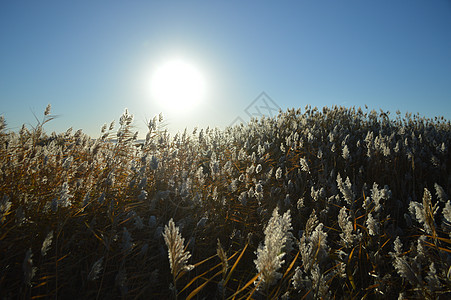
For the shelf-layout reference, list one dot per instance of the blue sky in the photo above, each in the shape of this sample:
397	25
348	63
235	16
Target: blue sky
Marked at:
92	59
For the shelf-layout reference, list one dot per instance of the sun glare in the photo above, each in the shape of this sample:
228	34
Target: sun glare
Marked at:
178	85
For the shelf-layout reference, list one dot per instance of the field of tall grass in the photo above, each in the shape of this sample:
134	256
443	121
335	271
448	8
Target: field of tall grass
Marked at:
312	204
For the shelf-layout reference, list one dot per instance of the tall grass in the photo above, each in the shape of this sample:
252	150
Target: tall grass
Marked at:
337	203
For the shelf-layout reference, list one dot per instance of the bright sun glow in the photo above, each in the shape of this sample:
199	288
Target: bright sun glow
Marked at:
178	85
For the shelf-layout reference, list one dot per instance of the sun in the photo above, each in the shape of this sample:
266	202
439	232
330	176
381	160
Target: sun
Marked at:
178	85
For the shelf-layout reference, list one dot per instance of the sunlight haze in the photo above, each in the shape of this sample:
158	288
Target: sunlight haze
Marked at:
91	60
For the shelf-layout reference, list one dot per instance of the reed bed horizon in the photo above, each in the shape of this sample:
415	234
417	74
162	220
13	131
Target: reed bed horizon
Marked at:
310	204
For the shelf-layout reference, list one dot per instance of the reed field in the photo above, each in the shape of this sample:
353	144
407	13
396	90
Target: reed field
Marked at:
332	203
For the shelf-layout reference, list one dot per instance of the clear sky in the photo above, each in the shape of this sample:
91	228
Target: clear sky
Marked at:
92	59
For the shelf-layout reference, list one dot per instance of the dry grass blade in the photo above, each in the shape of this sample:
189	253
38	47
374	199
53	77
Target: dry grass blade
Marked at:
234	265
40	296
381	247
251	293
204	261
246	286
349	271
199	277
5	233
437	247
198	289
448	241
306	295
291	265
287	271
98	237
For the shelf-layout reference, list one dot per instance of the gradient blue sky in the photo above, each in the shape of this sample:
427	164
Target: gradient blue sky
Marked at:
92	59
